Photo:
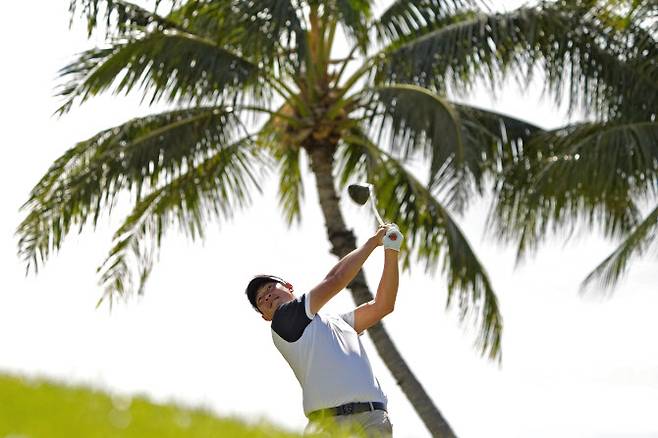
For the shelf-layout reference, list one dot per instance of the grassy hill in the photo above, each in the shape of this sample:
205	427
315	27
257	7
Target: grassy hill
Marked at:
38	409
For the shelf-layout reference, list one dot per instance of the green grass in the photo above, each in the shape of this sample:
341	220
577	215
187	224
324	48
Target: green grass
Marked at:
31	408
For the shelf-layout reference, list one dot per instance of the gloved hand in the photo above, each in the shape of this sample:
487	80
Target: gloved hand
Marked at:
393	238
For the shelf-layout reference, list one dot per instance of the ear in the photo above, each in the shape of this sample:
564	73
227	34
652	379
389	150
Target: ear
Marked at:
289	286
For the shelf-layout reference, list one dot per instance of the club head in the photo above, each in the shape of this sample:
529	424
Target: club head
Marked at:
360	193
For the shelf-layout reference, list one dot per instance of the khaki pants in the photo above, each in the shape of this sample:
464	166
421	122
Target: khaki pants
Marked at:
372	424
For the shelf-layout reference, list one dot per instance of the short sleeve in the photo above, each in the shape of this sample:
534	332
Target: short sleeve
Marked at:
291	319
307	307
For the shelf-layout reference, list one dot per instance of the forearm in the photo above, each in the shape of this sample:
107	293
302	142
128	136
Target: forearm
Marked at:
387	290
347	268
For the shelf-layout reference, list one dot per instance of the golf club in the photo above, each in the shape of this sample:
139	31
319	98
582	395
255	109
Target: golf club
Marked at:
360	193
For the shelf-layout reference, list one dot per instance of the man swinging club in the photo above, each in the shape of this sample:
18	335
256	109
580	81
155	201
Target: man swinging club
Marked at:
324	350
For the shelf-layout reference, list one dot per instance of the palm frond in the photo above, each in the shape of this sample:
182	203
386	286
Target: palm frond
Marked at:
282	18
417	120
126	14
291	185
407	17
175	66
249	31
644	11
355	15
600	68
214	189
492	142
273	24
137	155
432	234
608	155
462	143
484	125
352	162
608	273
456	54
280	137
604	67
592	173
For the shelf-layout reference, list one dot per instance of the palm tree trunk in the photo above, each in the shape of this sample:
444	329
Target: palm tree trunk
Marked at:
343	242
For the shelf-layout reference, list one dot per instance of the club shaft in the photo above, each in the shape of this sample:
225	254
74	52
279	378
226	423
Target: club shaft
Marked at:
373	203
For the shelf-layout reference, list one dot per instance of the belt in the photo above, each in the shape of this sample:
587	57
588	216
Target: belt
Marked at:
347	409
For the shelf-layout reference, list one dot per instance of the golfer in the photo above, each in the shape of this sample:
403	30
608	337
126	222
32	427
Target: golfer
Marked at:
324	350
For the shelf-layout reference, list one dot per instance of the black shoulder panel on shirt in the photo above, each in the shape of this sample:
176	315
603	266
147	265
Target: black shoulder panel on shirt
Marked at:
290	320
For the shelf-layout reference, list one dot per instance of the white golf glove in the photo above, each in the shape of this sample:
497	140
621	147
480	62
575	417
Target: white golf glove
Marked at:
393	238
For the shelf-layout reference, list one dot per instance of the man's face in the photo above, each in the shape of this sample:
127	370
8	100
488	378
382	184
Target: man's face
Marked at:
270	296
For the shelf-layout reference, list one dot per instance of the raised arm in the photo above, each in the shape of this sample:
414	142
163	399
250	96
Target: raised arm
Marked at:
344	271
370	313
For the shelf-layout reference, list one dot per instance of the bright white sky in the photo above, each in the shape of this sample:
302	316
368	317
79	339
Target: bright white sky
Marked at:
573	366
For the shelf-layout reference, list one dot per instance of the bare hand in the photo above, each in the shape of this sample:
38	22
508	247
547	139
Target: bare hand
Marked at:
379	235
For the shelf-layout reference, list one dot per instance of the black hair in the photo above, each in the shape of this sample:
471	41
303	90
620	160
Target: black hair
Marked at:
256	283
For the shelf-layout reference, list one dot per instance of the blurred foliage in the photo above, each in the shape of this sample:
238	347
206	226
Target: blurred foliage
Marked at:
39	408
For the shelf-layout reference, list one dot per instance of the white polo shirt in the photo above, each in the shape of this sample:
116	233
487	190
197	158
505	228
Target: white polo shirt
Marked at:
326	355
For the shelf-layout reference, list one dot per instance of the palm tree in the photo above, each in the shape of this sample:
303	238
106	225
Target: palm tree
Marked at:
251	83
598	173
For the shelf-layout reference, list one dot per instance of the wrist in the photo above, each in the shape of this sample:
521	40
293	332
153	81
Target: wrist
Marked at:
372	243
